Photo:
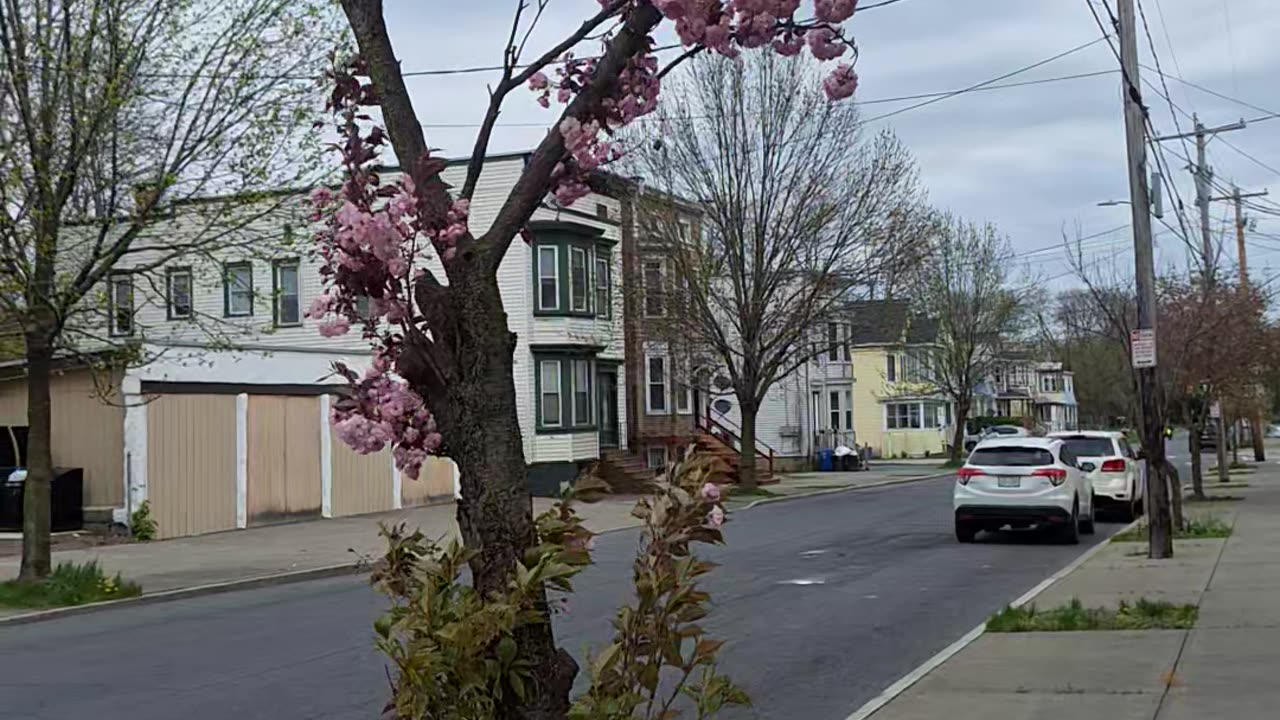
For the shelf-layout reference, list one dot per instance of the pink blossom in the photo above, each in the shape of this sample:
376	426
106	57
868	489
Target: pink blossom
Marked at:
789	45
834	11
321	197
711	492
538	81
715	518
841	83
824	44
335	327
320	305
544	101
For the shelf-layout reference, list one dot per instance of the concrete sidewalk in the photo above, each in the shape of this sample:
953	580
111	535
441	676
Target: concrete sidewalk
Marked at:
814	483
318	545
1223	668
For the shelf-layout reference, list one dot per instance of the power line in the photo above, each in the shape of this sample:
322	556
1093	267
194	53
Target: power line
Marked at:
1269	114
941	94
997	79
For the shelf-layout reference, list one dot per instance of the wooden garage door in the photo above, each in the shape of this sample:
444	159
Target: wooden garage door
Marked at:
361	483
283	458
434	483
191	463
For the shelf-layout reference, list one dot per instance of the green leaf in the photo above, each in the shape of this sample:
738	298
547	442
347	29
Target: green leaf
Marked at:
517	685
605	659
506	650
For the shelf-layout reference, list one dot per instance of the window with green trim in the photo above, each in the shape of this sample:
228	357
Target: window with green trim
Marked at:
565	392
604	300
578	279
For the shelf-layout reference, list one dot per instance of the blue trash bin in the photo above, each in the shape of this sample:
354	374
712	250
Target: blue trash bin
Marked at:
825	460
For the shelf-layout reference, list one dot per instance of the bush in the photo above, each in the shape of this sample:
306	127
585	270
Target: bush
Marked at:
455	654
141	525
69	584
1141	615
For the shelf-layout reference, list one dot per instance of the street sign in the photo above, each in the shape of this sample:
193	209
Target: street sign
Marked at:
1143	343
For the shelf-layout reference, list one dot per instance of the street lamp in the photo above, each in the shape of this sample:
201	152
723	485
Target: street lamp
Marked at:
1157	197
1112	203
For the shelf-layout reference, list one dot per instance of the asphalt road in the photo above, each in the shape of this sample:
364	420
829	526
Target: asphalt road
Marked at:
823	601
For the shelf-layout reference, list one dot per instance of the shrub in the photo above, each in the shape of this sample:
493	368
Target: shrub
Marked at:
142	526
455	654
1205	527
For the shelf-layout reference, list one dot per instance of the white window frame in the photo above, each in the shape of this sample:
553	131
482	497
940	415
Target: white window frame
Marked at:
848	410
295	265
644	279
170	277
574	254
555	275
891	368
543	392
229	287
575	391
915	412
684	398
649	384
115	282
603	286
650	454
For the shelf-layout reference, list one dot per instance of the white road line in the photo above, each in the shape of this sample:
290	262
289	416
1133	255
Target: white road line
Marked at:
884	698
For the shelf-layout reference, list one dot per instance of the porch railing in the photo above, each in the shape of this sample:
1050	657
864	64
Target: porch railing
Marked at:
730	435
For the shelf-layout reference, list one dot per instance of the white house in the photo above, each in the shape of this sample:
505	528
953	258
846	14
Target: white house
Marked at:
227	425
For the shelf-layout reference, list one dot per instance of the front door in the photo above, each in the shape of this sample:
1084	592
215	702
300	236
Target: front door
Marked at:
607	382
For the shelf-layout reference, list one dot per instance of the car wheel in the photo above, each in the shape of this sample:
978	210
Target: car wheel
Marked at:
1086	523
965	532
1071	533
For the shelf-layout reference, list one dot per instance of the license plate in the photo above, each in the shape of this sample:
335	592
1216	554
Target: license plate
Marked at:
1009	482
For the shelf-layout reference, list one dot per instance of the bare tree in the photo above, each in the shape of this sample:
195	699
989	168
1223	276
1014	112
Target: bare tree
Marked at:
113	115
799	212
965	287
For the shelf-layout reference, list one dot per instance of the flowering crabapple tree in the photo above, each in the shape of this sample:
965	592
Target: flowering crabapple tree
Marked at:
441	377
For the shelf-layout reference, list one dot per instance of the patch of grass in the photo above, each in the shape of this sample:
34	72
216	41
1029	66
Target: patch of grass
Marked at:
1141	615
951	464
1227	485
1234	469
69	584
1198	528
754	492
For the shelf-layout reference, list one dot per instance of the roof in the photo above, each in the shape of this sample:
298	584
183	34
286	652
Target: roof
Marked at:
890	322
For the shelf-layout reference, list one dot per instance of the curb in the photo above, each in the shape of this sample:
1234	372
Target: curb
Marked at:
906	681
846	488
184	593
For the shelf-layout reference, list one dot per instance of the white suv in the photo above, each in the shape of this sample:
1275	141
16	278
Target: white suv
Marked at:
1120	482
1023	481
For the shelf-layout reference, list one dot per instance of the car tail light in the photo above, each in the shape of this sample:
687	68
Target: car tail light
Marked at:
1057	476
965	474
1114	465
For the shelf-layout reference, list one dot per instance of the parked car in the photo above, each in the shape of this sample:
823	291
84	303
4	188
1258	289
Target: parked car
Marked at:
1120	481
1020	482
971	441
1209	437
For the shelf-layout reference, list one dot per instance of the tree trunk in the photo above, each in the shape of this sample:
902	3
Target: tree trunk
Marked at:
36	509
1175	494
1193	447
957	434
475	408
747	462
1258	434
1235	441
1223	464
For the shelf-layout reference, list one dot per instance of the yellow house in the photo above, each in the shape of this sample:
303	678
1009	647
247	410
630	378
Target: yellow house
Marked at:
897	413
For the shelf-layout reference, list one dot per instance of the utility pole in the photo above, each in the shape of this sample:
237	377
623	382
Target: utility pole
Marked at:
1160	543
1236	198
1204	176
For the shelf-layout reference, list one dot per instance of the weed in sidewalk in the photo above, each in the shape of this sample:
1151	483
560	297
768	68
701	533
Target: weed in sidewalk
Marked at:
1141	615
69	584
1198	528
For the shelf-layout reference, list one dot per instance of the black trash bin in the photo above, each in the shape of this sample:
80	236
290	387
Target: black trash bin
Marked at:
66	499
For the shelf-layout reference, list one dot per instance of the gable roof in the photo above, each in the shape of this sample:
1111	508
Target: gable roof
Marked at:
890	322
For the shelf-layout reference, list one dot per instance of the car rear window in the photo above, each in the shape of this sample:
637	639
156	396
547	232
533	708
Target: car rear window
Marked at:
1011	456
1089	446
1004	430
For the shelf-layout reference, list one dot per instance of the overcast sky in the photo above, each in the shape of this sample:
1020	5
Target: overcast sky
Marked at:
1035	159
